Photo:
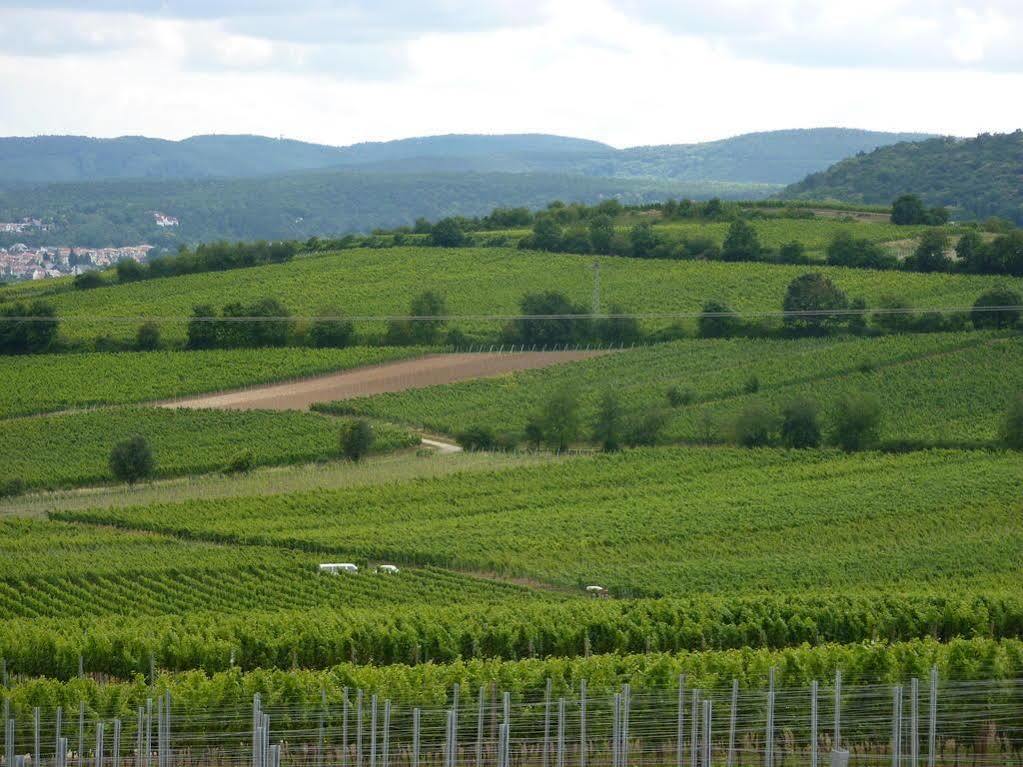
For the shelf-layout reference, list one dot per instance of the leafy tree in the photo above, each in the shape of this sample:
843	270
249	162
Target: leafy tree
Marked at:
533	431
799	425
968	250
815	294
602	232
642	240
718	320
331	330
857	422
27	328
575	240
476	438
986	315
202	332
793	253
147	338
1012	427
894	315
908	210
1004	255
132	459
88	280
559	419
846	250
929	255
447	233
541	331
754	426
271	324
645	430
607	424
129	270
427	304
741	243
619	328
547	234
356	439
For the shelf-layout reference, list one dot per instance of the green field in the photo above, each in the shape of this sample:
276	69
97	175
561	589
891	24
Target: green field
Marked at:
665	521
72	449
50	382
483	281
947	387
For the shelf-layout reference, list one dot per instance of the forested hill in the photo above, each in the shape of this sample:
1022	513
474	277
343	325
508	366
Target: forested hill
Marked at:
977	178
298	206
778	157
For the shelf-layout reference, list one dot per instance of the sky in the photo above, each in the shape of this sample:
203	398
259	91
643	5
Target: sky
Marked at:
627	72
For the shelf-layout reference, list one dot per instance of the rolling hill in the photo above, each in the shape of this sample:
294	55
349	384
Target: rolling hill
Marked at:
977	177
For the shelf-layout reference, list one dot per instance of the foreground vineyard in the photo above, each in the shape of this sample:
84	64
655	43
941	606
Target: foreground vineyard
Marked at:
936	388
46	383
667	521
72	449
484	281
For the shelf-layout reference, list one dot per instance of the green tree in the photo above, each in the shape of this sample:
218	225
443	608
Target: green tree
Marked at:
331	330
1012	426
129	270
642	240
447	233
799	425
813	304
618	328
754	426
27	328
559	419
356	439
132	459
548	320
968	250
87	280
476	438
263	323
602	232
430	305
894	315
718	320
147	338
997	309
547	234
741	243
857	422
929	255
908	210
202	329
607	424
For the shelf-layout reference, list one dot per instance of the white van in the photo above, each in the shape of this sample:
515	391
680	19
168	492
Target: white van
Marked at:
335	568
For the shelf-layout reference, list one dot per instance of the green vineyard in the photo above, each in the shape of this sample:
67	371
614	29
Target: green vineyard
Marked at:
72	449
940	388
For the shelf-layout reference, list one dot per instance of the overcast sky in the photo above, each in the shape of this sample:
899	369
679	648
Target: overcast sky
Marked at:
627	72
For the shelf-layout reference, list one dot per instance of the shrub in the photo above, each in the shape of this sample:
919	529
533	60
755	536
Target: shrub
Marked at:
799	426
476	438
241	462
752	385
331	330
10	488
29	337
356	439
754	426
983	316
1012	427
132	459
717	320
147	338
857	422
680	397
646	429
87	280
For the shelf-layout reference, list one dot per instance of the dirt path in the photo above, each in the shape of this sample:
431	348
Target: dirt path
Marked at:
378	379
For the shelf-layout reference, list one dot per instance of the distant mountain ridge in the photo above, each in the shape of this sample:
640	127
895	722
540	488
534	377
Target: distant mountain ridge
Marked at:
977	178
777	157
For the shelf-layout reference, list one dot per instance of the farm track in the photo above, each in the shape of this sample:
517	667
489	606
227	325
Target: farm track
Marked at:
432	370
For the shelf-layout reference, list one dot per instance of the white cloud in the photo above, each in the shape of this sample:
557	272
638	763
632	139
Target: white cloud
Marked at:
588	68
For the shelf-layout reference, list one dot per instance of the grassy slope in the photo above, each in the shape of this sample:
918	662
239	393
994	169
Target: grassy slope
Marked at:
672	521
72	449
932	387
51	382
487	281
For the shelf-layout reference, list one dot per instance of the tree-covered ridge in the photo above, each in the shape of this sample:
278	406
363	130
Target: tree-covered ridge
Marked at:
977	178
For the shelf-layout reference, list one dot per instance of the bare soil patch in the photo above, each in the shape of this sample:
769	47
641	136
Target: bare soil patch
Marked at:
418	373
